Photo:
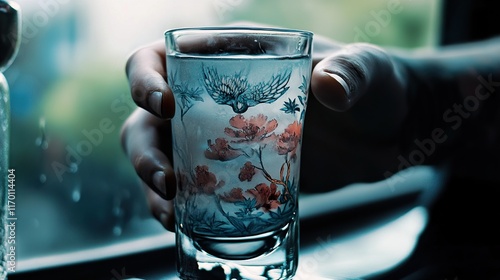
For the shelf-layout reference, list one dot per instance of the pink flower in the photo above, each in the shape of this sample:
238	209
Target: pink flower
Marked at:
247	172
205	181
266	197
256	129
234	195
288	141
221	150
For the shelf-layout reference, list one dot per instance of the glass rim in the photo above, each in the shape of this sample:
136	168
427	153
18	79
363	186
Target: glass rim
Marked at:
240	29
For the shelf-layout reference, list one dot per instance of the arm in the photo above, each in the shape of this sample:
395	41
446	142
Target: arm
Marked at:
451	99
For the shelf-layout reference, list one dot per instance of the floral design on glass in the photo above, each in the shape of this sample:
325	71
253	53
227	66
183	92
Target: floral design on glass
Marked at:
291	106
244	210
235	90
260	197
186	95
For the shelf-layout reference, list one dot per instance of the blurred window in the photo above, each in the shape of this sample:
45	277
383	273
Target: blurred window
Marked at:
70	96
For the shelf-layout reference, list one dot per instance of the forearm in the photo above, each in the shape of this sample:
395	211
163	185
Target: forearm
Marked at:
453	99
473	66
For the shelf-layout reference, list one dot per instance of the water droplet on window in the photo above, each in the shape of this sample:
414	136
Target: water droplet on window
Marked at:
117	211
73	167
117	230
76	195
43	178
41	141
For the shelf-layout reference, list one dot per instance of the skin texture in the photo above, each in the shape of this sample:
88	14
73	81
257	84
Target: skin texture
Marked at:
363	103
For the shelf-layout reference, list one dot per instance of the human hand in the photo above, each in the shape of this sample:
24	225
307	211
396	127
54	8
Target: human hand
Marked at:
355	116
351	134
146	134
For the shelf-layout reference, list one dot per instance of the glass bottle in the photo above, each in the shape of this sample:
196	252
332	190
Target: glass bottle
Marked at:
10	32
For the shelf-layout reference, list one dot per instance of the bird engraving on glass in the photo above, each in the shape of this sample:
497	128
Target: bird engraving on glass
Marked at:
236	91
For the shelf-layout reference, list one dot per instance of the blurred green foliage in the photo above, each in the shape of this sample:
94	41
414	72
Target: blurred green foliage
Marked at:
402	23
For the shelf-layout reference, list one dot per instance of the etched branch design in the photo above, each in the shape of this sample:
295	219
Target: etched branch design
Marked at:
185	95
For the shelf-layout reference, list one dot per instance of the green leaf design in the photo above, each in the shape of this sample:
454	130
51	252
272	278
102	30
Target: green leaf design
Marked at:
303	86
237	223
275	215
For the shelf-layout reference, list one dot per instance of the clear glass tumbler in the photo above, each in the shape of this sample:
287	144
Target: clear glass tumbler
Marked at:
241	94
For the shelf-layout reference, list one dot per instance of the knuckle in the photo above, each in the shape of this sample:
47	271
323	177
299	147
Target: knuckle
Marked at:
139	162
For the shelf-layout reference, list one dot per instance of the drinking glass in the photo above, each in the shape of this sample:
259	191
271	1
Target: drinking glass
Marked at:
241	94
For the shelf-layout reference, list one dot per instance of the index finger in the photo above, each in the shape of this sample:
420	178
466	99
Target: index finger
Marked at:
146	73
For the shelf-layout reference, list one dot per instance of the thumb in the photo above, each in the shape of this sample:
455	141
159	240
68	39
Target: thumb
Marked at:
341	79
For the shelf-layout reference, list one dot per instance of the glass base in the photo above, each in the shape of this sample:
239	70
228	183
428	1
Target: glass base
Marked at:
271	255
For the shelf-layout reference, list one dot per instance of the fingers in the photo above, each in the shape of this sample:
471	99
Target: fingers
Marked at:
147	150
341	79
146	72
162	210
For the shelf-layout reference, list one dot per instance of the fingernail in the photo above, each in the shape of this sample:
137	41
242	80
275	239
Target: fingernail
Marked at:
342	82
159	183
154	102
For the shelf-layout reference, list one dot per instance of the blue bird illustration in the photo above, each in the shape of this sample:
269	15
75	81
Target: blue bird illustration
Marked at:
235	90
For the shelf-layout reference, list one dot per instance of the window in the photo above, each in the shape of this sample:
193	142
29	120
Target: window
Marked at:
70	96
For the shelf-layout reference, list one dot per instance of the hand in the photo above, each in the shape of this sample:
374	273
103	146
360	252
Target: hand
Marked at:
354	117
351	134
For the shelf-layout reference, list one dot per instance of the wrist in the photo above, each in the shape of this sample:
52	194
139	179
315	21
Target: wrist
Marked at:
429	134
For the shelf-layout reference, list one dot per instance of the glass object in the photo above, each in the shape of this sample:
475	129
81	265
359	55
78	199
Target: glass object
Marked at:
241	95
9	44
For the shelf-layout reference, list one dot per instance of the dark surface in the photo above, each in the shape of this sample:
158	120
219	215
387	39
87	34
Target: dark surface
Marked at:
150	263
469	20
160	264
462	239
